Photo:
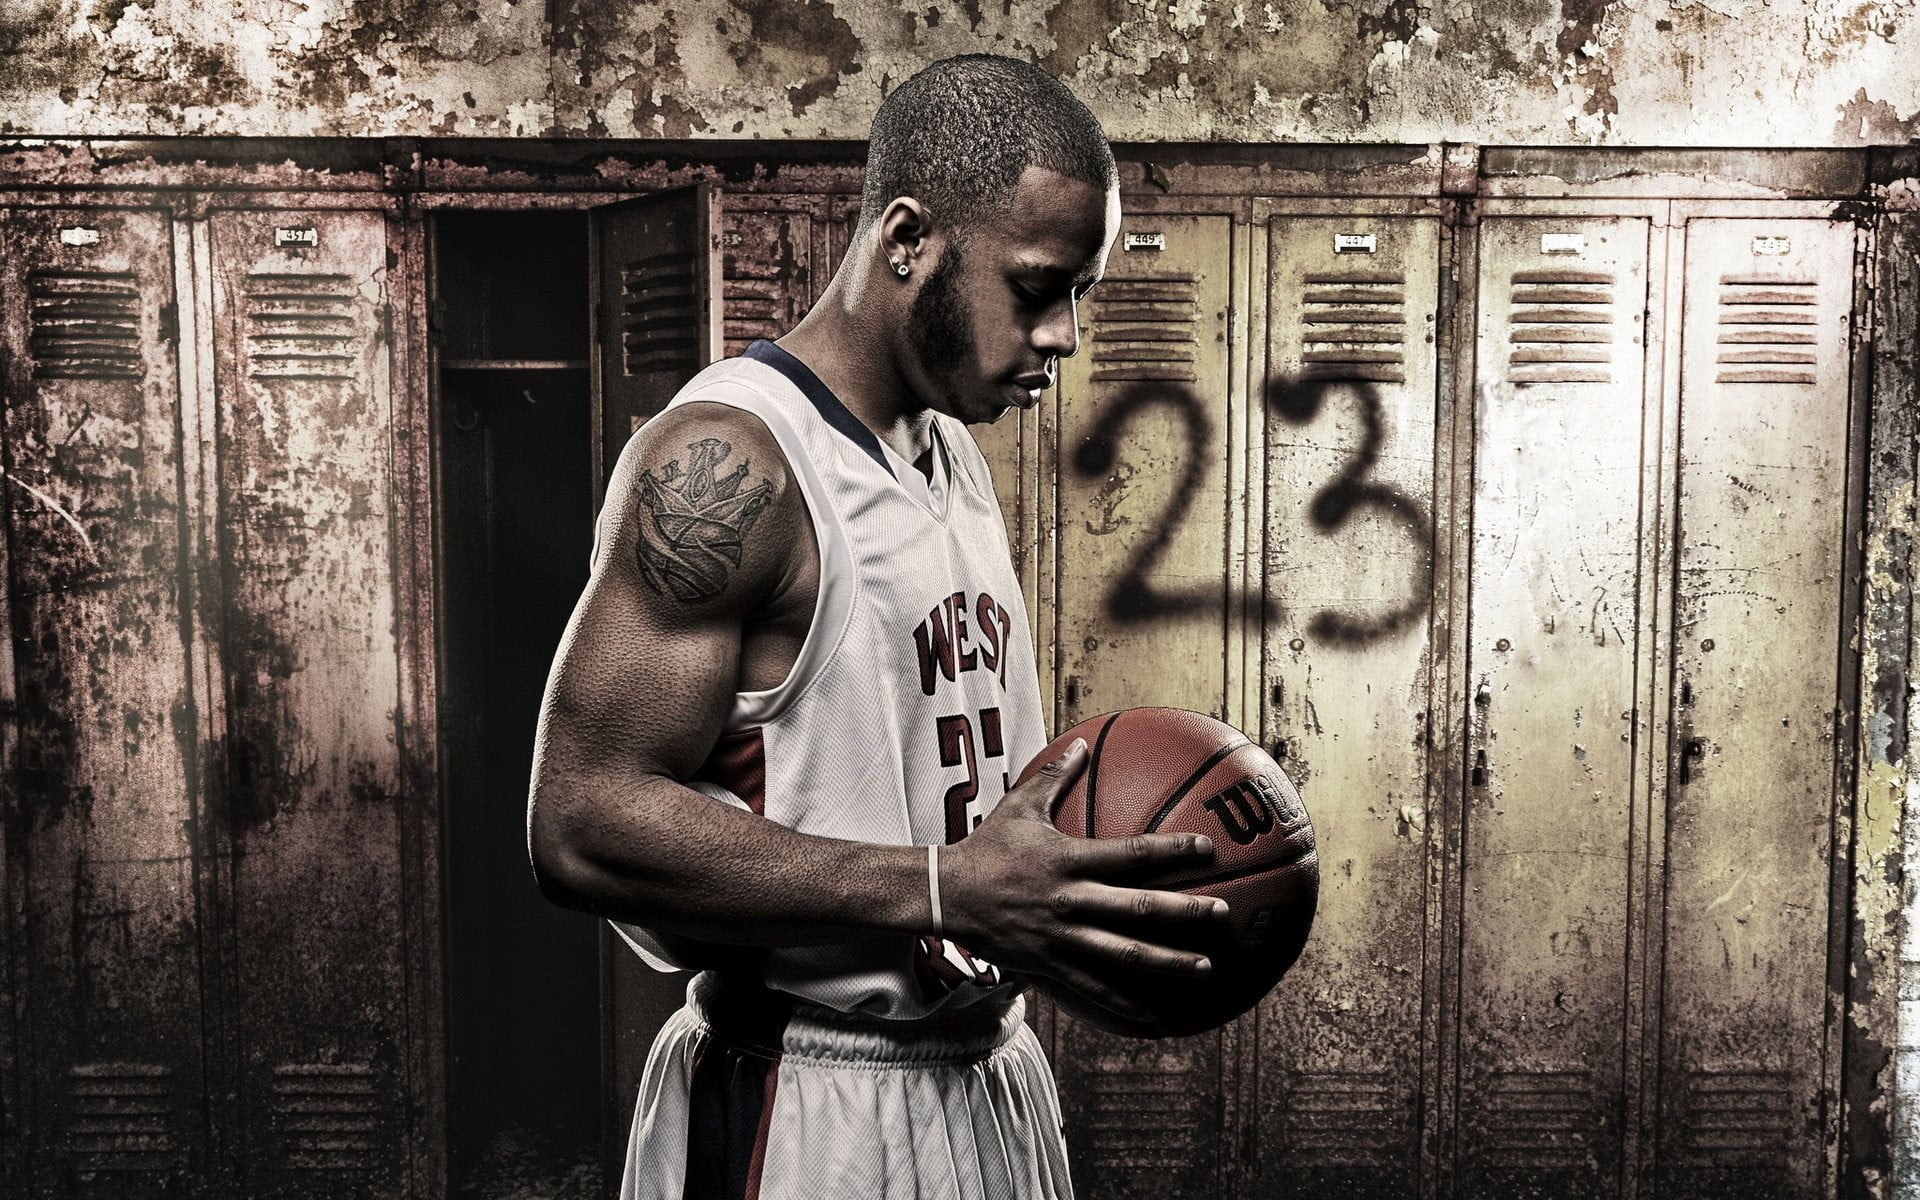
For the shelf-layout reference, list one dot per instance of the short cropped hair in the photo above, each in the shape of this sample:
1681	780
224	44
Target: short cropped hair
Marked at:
958	135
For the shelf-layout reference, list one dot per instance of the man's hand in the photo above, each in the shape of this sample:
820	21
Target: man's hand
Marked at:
1022	894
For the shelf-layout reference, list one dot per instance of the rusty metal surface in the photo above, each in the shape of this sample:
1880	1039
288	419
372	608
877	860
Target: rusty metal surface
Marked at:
1349	416
1552	641
1572	72
1665	172
1757	633
312	807
1882	1087
102	807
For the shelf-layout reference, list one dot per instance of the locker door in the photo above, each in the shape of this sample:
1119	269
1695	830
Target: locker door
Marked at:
1757	642
1349	503
657	295
1141	586
97	738
657	284
1552	636
313	794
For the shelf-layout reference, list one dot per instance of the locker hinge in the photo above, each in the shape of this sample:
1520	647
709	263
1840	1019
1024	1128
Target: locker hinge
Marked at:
386	322
170	322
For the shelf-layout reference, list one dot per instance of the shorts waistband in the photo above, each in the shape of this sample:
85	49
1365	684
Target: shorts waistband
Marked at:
747	1015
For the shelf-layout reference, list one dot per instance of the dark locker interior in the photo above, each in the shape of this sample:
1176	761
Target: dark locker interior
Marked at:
523	985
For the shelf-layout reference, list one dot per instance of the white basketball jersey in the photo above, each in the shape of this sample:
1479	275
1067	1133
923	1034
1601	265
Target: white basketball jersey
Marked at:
914	701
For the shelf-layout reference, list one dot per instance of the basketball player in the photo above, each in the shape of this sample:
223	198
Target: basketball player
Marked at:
777	738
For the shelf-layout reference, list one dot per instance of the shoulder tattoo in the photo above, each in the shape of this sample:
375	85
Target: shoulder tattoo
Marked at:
693	523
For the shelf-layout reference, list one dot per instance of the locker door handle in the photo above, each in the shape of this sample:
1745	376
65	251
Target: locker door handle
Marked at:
1693	749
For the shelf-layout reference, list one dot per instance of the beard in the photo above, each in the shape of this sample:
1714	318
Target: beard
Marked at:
940	328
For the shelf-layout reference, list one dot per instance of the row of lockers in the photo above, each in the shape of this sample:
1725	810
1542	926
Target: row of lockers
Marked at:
1518	534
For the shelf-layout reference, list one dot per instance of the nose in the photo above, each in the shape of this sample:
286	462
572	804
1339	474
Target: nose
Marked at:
1058	334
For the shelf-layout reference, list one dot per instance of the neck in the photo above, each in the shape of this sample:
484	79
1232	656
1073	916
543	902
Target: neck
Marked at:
855	360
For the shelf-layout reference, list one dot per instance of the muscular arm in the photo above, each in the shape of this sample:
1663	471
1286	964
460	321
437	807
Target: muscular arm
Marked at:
639	692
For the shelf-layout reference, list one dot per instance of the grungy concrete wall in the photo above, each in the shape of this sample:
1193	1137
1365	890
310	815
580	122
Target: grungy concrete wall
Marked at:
1626	72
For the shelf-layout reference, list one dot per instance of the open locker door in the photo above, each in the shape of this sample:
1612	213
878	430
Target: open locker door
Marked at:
655	275
655	265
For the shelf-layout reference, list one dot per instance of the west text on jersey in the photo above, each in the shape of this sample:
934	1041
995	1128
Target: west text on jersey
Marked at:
948	645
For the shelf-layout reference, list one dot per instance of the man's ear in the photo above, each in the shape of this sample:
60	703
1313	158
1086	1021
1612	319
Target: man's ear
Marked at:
904	232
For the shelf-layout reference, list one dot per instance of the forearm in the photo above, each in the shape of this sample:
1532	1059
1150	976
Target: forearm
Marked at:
683	863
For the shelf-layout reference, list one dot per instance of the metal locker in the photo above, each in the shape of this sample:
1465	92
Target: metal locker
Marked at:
1141	601
768	265
107	1076
311	802
1350	394
1757	643
1552	639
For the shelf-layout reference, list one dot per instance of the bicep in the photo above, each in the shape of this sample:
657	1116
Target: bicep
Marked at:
692	542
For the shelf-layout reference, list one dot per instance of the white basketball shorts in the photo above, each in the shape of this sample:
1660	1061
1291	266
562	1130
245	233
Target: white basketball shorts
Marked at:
749	1095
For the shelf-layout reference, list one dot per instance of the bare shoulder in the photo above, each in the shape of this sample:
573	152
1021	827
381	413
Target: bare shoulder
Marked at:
701	509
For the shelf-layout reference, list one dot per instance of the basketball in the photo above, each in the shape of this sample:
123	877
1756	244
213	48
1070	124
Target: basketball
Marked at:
1167	770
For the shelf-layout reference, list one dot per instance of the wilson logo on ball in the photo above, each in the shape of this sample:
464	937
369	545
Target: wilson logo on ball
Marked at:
1247	809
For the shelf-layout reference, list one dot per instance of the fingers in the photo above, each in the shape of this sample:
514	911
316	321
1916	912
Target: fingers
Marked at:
1052	779
1099	900
1116	950
1103	856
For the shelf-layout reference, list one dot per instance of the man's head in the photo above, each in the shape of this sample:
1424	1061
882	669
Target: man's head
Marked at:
993	187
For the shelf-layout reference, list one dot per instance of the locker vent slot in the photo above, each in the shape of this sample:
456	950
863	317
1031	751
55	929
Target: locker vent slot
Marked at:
1560	327
120	1117
1743	1112
1540	1117
1342	1118
1144	1119
84	324
1145	329
301	327
761	265
659	318
754	310
326	1115
1354	327
1767	330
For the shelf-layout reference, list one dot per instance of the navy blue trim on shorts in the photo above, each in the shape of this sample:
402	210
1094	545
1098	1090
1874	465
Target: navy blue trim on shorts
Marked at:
730	1106
831	410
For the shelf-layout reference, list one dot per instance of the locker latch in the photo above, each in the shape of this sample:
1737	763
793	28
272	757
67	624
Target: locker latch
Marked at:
1694	750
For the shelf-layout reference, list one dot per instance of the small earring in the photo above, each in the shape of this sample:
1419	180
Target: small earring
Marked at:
899	268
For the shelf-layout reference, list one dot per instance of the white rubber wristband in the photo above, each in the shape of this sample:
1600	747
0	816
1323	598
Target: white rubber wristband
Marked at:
933	886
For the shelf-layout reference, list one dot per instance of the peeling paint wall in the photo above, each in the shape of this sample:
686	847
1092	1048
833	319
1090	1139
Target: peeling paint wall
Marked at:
1625	72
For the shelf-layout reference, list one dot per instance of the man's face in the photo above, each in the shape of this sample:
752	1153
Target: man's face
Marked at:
989	325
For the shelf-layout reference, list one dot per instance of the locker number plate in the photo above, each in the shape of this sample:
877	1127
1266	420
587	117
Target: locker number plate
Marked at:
1563	243
1353	243
79	235
302	235
1772	245
1146	241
